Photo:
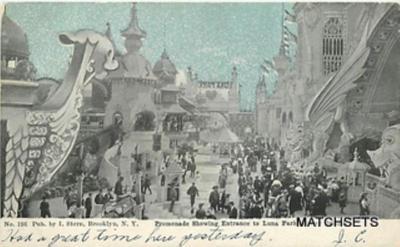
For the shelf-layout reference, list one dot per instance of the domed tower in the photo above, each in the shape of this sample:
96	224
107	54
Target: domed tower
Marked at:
165	69
135	64
18	91
15	52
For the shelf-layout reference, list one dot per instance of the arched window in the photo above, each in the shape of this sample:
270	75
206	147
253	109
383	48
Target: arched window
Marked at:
145	121
332	45
291	117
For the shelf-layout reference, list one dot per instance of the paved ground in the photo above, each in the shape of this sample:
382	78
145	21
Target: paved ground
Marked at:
57	208
209	170
208	177
208	167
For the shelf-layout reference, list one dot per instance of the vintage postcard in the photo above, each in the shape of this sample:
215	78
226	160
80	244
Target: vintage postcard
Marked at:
200	124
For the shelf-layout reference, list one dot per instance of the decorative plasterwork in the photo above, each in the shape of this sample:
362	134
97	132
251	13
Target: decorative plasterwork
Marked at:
381	42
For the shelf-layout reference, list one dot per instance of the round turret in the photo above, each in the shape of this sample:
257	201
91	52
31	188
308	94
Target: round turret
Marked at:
165	69
14	42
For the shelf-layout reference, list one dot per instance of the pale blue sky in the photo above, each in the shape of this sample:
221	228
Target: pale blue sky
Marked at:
209	37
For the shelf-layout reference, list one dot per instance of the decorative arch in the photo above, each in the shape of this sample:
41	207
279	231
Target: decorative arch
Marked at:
145	121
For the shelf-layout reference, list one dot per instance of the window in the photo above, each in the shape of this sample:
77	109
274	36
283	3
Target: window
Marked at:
168	97
11	64
332	45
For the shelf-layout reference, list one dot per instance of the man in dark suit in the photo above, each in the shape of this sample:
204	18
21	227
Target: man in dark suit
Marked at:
213	199
233	212
45	208
173	197
118	190
88	205
200	213
193	192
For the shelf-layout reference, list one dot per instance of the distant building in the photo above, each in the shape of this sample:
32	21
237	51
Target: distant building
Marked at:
243	124
222	97
213	96
147	105
328	34
18	92
142	97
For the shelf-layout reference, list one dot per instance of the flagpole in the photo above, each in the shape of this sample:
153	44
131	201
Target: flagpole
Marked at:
283	19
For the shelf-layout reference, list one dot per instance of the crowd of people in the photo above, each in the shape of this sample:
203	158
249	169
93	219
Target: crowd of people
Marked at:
268	187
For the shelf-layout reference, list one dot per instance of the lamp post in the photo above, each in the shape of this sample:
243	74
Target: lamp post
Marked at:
138	175
81	177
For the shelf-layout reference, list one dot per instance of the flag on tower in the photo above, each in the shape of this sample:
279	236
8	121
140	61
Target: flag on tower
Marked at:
265	68
269	63
290	18
288	36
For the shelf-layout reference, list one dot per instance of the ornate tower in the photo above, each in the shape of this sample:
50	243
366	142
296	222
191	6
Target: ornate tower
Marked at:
281	61
136	65
15	53
165	69
261	98
133	33
234	92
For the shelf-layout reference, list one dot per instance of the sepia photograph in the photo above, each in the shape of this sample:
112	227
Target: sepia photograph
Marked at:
200	111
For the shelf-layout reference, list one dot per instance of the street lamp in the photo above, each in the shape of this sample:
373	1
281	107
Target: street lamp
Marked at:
81	178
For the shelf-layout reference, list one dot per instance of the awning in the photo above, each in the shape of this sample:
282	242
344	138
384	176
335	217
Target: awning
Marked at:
173	108
188	105
170	87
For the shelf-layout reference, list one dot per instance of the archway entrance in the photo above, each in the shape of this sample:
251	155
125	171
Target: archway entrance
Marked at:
144	121
362	146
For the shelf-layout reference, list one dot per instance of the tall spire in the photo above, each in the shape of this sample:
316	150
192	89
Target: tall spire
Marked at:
164	35
282	19
282	47
133	28
164	55
108	31
261	82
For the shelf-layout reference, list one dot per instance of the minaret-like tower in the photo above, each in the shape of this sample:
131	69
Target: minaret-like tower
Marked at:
281	60
133	64
261	98
165	69
234	91
133	34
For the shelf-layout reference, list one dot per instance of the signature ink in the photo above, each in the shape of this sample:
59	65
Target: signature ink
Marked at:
359	238
340	239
